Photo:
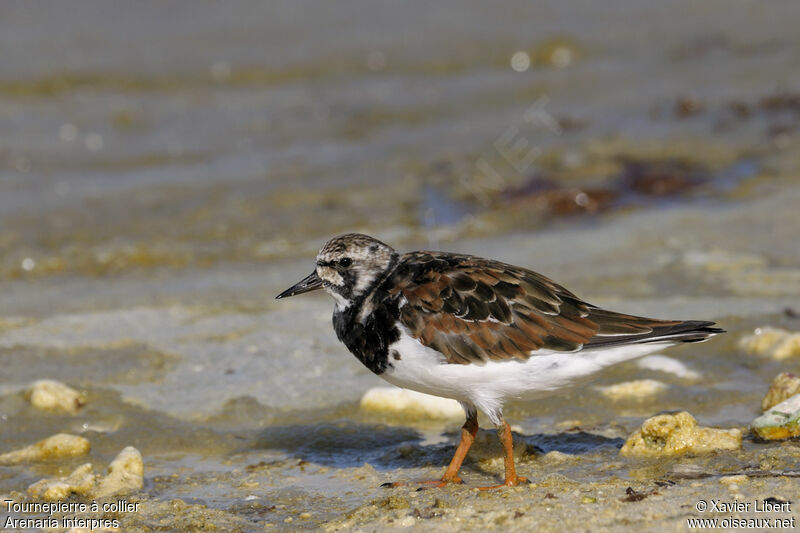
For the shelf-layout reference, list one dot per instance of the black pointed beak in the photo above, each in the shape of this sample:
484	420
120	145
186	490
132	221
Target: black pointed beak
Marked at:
307	284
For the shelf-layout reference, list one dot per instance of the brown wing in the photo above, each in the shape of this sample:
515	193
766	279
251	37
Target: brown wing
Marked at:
474	310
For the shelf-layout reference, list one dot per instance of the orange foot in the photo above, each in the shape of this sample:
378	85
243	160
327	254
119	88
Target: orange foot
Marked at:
513	482
423	483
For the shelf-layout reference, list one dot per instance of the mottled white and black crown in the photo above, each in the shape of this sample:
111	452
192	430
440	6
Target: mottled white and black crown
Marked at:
347	266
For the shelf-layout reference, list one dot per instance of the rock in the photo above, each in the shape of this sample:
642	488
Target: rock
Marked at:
784	386
788	347
676	434
629	390
410	403
81	482
762	340
51	395
57	446
662	363
556	457
782	421
772	342
125	473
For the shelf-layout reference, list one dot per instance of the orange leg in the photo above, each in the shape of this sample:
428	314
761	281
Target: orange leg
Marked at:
512	479
468	432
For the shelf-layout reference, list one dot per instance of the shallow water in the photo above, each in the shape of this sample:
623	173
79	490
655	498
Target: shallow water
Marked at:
165	172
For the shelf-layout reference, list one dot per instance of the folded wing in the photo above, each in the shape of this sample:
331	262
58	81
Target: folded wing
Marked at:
474	310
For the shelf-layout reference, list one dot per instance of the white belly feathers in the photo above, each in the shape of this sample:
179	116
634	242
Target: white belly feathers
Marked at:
489	385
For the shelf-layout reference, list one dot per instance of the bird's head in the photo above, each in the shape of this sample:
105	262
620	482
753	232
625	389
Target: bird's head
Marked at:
346	267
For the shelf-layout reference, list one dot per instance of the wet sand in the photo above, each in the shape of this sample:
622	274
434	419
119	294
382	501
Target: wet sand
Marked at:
152	204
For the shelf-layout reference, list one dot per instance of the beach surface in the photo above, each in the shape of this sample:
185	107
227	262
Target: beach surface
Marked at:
165	172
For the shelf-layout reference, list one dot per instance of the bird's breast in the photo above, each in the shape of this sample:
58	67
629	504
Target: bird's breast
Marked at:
369	340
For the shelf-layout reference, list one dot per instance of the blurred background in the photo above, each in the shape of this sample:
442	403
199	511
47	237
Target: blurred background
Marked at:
141	137
166	168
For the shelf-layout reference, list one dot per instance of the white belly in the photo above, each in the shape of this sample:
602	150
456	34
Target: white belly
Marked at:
489	385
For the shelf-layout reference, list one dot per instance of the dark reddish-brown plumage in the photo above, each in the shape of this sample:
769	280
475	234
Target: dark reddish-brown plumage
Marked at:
474	310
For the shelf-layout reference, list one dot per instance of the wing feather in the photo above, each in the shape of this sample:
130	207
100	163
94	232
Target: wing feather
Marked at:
474	310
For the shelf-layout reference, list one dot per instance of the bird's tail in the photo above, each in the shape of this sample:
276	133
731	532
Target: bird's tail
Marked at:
662	331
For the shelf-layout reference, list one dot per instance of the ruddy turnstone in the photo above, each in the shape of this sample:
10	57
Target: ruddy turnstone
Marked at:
475	330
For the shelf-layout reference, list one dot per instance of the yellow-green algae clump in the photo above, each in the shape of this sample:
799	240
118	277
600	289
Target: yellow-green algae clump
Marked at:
678	434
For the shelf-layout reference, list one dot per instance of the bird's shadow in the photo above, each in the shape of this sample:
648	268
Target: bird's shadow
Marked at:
573	443
345	444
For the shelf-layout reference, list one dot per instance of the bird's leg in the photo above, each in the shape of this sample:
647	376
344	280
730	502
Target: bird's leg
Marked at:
468	432
512	479
508	448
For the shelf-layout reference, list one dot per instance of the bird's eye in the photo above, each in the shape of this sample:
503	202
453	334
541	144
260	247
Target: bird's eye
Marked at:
345	262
